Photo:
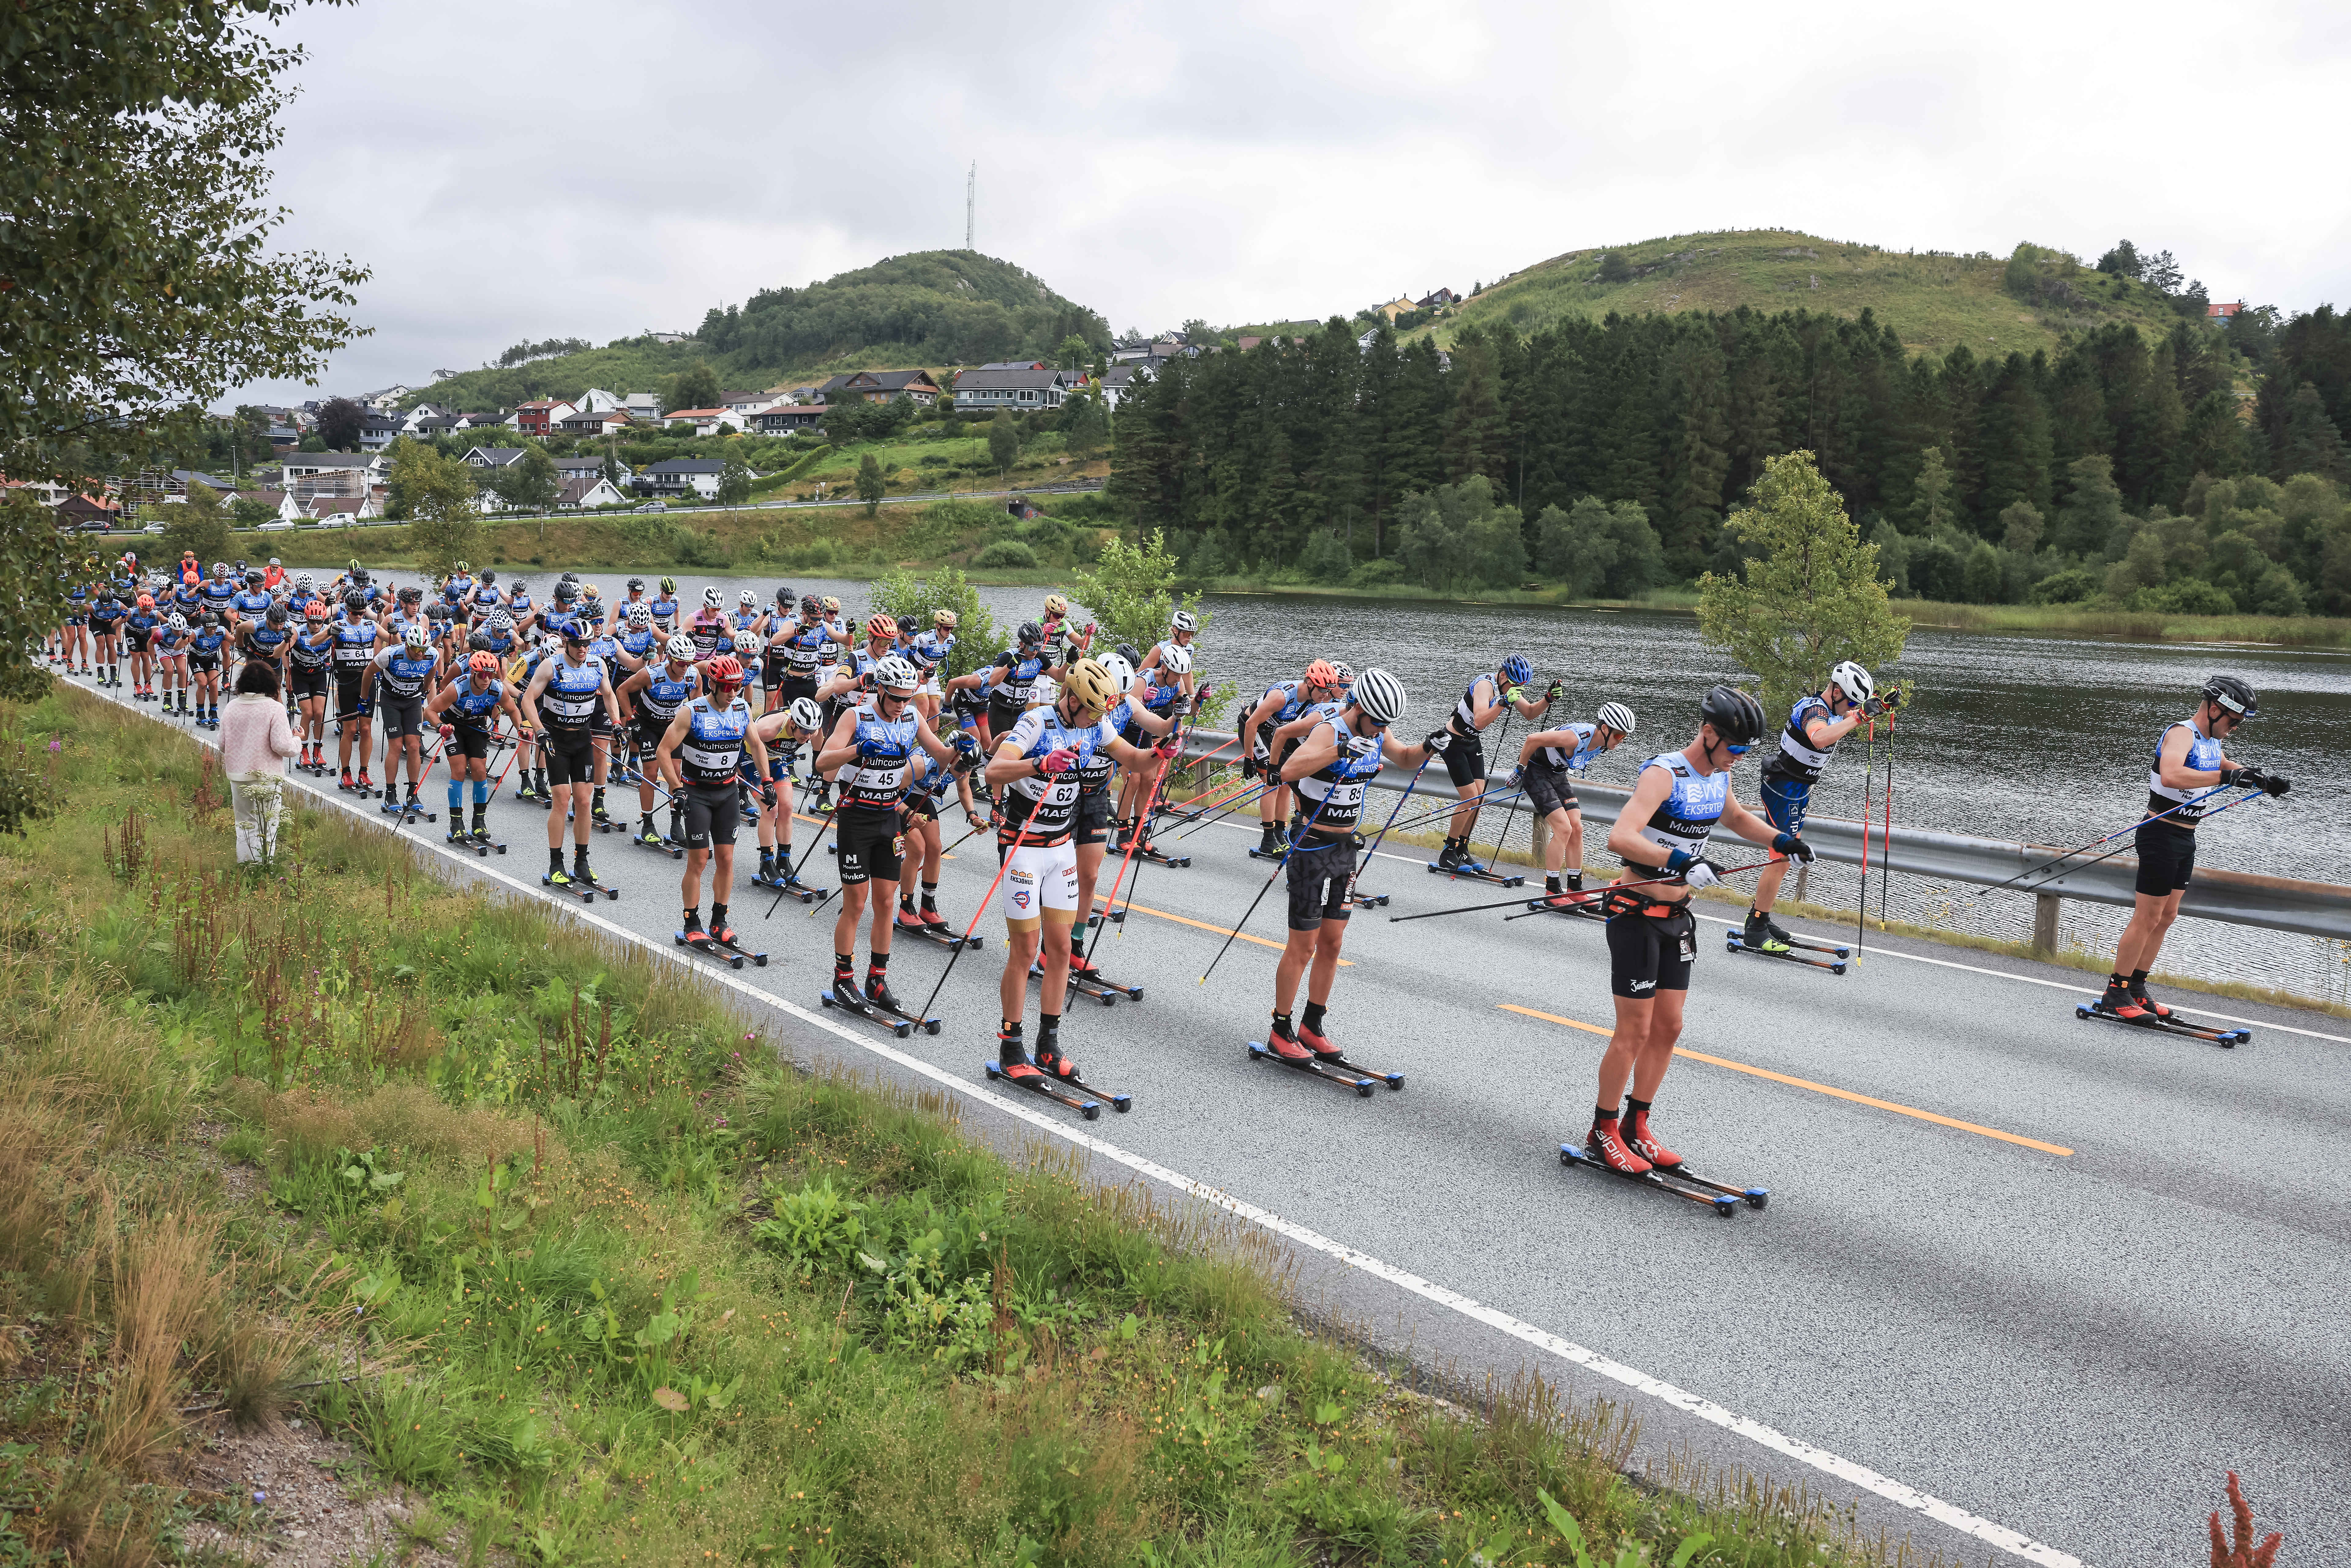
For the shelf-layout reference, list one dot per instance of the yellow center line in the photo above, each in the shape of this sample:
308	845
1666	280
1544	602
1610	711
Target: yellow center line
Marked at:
1204	926
1815	1088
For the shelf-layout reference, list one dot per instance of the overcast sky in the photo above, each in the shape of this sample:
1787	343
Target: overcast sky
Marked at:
593	169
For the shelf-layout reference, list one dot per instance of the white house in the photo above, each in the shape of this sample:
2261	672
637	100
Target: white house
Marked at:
679	476
644	407
582	492
705	421
744	404
494	456
349	471
596	400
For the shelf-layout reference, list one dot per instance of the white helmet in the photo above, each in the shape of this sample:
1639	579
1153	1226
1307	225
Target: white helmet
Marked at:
1120	671
1854	682
415	635
680	647
1345	671
1380	696
747	642
550	643
806	717
641	614
1616	717
747	600
894	674
1183	620
179	622
711	596
1175	661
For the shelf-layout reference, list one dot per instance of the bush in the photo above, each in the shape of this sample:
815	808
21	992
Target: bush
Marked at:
1007	553
2075	585
2189	596
1936	571
1326	559
1376	574
912	602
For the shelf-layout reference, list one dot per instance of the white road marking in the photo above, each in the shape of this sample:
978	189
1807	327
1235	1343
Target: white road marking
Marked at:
1860	1476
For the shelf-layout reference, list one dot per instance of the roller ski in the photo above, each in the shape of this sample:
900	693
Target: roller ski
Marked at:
409	811
883	999
728	940
649	837
579	881
1570	902
1272	843
526	790
1764	938
1310	1052
1642	1160
1053	1076
600	818
1087	980
935	931
2132	1006
777	876
478	837
1454	861
843	994
1139	844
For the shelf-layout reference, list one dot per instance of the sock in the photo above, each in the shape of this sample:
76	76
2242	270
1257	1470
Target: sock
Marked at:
1284	1026
930	896
456	795
1551	884
2139	980
1603	1116
555	859
481	791
1575	879
1313	1018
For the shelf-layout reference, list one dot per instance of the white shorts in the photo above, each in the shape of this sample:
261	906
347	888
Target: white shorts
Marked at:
1040	882
929	688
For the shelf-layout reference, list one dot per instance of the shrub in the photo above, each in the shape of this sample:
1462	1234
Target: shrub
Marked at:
1376	574
1007	553
2189	596
1326	559
2075	585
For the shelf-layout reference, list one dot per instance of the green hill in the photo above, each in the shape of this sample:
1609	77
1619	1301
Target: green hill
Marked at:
1933	299
932	308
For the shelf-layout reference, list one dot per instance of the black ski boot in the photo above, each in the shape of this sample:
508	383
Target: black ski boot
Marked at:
1452	855
647	835
480	832
1762	934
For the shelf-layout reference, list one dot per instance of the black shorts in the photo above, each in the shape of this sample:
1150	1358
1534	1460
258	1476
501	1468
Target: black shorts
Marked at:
649	737
203	664
1001	718
866	846
1649	953
1093	826
712	813
568	757
1319	875
796	686
307	684
469	739
1549	788
347	696
1465	761
2167	858
403	717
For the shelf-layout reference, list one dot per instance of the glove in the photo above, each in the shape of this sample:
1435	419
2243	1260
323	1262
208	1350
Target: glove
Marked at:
1875	707
1518	777
367	706
1553	692
767	795
1248	766
1057	761
1167	748
966	743
2254	778
448	733
967	761
1893	697
1702	874
1792	846
1200	698
1148	693
975	817
1437	740
2232	776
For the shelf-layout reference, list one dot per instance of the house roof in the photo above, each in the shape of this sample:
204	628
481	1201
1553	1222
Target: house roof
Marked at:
991	378
325	505
575	490
792	413
696	413
328	459
589	464
184	474
1013	365
683	465
882	380
496	456
605	415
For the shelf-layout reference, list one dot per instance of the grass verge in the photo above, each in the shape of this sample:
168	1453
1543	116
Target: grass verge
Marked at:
540	1229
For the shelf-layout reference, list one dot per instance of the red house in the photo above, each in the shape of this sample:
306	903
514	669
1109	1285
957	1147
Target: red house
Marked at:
540	416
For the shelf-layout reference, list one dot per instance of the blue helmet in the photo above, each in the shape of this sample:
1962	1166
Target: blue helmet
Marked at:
1516	670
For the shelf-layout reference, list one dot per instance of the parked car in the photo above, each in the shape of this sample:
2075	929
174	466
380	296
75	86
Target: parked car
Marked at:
152	528
275	525
654	507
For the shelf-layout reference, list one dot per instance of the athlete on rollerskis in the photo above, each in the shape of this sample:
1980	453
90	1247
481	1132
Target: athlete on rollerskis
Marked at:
1486	700
705	745
1550	761
1680	799
1040	765
567	692
1810	738
1280	703
1330	768
2190	761
464	711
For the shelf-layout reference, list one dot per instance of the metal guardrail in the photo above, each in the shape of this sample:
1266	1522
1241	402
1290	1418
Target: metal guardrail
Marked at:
2240	898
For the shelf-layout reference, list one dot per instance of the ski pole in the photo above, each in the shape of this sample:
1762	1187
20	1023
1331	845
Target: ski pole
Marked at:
1612	887
1868	774
1381	837
1447	810
1247	795
1002	865
1261	892
792	874
1123	861
2119	849
1886	834
2094	843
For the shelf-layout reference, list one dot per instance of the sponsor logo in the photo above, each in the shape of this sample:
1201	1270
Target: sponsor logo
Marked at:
1018	876
1639	986
1020	899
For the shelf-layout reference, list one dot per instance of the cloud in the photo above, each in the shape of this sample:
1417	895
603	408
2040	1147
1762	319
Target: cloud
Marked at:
593	168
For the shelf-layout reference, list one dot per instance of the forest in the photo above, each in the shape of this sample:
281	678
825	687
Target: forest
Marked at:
941	307
2197	471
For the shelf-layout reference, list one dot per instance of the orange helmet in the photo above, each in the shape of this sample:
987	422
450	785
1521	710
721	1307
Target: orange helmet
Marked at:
314	610
1321	673
482	663
882	626
146	602
725	670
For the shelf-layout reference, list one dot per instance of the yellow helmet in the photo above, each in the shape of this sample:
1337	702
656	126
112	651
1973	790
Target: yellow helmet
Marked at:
1056	606
1090	685
831	605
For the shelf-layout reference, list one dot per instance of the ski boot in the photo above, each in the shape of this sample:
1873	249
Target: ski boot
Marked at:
1646	1144
367	785
928	914
648	836
1050	1060
1270	839
1606	1145
345	785
720	929
1454	856
1315	1040
596	812
555	875
2119	1002
1762	934
480	831
878	992
2138	995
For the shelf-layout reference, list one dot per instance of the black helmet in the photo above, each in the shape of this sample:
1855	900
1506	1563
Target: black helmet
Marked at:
489	576
570	576
1031	633
2232	696
479	643
1737	717
355	601
636	585
564	592
410	594
784	596
253	576
1131	654
276	616
436	611
208	621
810	605
360	574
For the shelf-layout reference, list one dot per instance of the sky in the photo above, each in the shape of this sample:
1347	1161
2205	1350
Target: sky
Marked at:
519	171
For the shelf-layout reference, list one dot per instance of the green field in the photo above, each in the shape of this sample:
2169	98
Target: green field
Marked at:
1934	301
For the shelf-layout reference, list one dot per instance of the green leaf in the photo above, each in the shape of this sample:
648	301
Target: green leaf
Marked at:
670	1399
1691	1548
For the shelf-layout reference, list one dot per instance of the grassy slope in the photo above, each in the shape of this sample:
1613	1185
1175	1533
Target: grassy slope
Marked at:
1935	302
535	1227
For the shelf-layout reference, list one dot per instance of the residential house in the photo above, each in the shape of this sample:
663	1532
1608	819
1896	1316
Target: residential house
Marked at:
2218	311
277	501
482	421
534	417
1117	381
183	477
596	400
425	411
431	425
351	471
643	407
284	438
596	421
1396	307
744	404
880	386
589	466
494	456
377	431
597	492
684	475
705	421
1441	297
787	417
98	513
384	399
1364	343
1023	388
350	508
1159	349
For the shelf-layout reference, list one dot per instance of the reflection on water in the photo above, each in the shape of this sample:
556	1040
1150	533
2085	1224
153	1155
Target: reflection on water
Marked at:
2035	737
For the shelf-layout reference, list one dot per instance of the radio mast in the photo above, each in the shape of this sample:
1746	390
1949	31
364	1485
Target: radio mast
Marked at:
970	202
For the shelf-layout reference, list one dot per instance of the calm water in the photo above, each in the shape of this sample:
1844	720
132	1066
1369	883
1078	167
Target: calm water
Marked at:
2032	738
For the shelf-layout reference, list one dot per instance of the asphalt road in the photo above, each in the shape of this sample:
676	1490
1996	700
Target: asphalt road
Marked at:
2070	1346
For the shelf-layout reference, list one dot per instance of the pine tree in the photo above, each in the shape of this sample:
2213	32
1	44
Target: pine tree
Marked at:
1932	509
2311	443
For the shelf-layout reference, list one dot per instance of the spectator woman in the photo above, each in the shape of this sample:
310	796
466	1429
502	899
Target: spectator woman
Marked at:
255	741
